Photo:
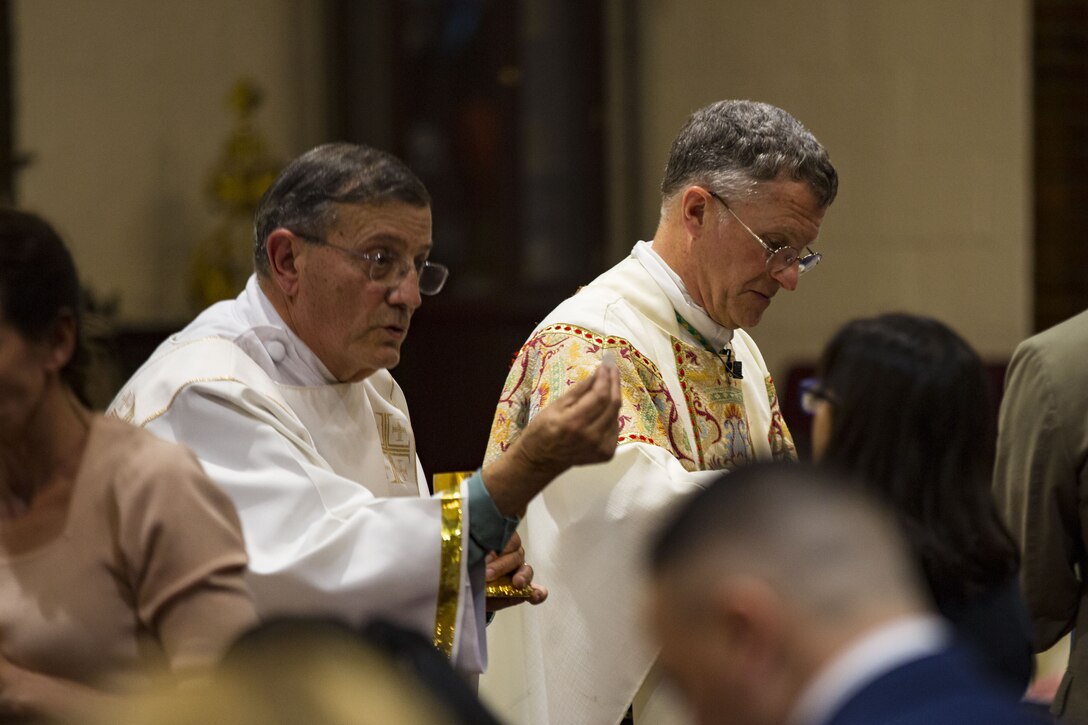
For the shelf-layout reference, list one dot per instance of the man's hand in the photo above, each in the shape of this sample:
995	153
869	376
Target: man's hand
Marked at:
512	562
580	427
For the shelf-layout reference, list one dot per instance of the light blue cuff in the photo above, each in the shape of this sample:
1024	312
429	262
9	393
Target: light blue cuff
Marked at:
488	529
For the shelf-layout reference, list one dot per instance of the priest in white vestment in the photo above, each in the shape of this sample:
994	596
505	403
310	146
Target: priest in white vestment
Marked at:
745	191
284	395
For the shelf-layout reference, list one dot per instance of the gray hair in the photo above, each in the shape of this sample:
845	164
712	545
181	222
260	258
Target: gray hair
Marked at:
304	195
729	146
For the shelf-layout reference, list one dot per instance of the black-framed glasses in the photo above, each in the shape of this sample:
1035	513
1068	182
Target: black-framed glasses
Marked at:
390	269
812	393
781	259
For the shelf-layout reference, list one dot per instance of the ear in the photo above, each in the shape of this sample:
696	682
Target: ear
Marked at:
764	647
754	616
285	260
61	341
695	210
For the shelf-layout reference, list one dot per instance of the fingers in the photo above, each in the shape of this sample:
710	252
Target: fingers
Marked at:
523	577
597	396
586	388
603	425
613	395
513	543
497	604
503	564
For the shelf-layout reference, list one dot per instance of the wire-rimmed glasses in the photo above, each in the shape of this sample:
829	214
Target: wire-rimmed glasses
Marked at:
812	393
782	258
390	269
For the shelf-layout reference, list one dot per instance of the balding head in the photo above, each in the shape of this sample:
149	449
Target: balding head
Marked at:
763	576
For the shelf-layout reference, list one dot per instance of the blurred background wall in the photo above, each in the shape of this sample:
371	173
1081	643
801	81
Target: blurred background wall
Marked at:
541	128
925	109
122	107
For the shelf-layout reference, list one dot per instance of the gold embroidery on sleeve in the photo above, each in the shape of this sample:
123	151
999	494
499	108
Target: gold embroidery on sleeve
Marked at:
448	487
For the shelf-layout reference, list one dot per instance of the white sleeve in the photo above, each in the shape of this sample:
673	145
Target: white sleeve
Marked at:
581	656
321	544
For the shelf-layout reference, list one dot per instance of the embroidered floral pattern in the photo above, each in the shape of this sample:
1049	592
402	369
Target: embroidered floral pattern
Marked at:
715	403
560	356
782	447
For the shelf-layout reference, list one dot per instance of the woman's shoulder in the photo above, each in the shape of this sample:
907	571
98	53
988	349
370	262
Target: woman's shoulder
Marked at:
129	461
124	445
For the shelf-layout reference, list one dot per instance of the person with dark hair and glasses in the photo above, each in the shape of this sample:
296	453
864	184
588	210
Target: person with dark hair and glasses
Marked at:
285	396
744	193
903	403
118	557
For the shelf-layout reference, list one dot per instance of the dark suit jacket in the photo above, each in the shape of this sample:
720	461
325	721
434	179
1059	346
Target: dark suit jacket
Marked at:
942	689
994	625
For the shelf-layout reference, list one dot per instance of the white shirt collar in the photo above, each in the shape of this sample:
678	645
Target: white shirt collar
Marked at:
302	362
873	654
677	293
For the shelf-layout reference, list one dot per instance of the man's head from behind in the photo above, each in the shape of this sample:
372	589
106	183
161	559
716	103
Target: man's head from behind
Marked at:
764	576
744	192
341	245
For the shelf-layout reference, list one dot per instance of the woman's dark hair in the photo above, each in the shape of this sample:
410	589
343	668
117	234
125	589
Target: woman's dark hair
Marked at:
38	283
912	416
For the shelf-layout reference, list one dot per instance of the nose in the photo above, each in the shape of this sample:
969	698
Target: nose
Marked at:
787	278
406	292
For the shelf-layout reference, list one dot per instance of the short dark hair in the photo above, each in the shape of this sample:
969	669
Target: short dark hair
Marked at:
731	145
738	501
912	416
38	283
303	196
824	542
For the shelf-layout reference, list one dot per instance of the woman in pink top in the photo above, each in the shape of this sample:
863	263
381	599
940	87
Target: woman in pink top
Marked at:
118	557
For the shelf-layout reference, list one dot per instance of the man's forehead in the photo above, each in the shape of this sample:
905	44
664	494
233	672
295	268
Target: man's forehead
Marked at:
783	189
391	220
786	202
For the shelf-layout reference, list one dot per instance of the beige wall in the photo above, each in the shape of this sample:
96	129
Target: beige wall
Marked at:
121	103
923	105
925	109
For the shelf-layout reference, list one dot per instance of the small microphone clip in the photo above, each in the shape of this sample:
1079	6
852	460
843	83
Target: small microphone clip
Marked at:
733	367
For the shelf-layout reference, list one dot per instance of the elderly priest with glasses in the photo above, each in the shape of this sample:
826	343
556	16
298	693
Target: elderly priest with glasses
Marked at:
745	189
285	396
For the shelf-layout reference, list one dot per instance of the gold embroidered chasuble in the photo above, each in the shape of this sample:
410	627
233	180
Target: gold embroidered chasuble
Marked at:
561	355
582	657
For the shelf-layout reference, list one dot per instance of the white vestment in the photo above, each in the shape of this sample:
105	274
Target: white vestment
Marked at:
582	656
336	513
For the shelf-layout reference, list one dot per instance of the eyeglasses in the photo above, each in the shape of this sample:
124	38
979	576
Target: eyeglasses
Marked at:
390	269
781	259
812	393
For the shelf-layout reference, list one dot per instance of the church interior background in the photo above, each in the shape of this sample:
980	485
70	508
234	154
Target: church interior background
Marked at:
959	129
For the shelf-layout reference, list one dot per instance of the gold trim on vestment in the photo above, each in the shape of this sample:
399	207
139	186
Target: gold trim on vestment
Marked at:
448	487
127	398
183	386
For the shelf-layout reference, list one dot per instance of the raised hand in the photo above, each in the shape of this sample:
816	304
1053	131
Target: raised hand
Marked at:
580	427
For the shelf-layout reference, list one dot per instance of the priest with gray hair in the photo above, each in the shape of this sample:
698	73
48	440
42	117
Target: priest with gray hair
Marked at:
285	396
742	199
